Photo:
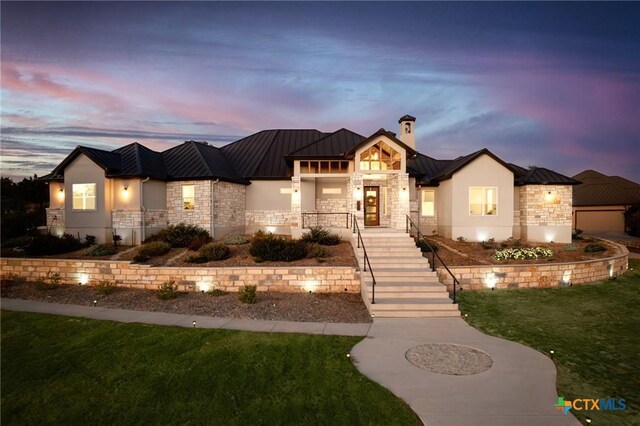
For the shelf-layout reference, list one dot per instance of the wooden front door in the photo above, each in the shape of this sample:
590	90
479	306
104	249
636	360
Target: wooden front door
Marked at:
371	206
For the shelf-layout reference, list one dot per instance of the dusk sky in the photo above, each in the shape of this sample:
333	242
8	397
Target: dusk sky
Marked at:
548	84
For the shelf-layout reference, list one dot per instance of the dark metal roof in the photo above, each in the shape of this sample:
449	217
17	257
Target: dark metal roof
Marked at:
107	160
382	132
197	160
138	160
406	118
424	168
334	145
540	176
262	155
460	162
597	189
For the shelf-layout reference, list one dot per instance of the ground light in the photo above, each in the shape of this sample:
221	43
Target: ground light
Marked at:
551	352
95	302
588	420
194	324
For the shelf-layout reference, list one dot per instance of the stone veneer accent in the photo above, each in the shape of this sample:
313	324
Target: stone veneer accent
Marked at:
201	214
129	219
228	204
267	217
155	218
125	274
535	211
55	219
537	275
330	205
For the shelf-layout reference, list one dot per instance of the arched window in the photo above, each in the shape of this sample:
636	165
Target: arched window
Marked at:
380	157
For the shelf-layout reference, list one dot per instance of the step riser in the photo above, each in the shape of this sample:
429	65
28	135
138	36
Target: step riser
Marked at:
404	280
385	296
416	314
427	288
415	307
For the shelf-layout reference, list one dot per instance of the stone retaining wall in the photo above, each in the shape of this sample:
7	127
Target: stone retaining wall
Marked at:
125	274
536	275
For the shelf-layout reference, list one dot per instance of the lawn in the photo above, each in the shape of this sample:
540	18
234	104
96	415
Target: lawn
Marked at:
60	370
593	329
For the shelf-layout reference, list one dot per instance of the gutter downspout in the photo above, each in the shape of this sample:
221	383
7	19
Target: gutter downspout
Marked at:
143	208
213	182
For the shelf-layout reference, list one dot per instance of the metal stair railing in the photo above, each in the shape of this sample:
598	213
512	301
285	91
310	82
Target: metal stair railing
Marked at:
409	227
356	228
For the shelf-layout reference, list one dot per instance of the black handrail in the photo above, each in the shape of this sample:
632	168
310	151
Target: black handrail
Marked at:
316	214
356	228
409	226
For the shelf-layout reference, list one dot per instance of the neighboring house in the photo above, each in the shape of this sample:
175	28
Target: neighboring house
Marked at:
283	181
600	201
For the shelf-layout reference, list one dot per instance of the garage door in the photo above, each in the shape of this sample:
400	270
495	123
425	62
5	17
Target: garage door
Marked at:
600	221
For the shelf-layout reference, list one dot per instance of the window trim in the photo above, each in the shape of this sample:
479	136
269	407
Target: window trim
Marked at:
483	204
422	192
84	197
184	197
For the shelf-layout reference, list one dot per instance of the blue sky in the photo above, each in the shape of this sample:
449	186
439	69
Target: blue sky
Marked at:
547	84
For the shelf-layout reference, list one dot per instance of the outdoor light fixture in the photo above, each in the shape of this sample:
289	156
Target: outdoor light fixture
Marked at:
551	352
194	324
588	420
61	193
125	189
348	355
95	302
84	279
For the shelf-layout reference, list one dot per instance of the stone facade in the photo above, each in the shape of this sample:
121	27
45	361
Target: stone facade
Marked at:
126	219
331	205
125	274
55	220
228	204
155	218
200	215
267	218
398	199
545	205
536	275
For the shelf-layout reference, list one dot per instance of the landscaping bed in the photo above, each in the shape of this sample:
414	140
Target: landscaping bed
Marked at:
458	253
307	307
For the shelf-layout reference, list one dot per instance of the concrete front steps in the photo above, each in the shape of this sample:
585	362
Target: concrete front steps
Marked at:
405	285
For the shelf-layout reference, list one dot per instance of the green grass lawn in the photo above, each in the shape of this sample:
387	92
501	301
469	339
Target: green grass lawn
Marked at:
594	330
60	370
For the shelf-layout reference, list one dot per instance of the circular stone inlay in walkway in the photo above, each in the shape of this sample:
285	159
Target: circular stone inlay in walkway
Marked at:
449	359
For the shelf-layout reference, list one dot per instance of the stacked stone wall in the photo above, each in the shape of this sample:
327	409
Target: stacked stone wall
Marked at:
229	204
267	218
55	219
201	214
125	274
537	210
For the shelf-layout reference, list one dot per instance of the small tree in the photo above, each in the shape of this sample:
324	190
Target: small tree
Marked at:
632	220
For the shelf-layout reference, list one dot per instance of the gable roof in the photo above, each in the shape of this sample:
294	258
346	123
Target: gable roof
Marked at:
262	155
540	176
334	145
197	160
138	160
448	171
598	189
424	168
382	132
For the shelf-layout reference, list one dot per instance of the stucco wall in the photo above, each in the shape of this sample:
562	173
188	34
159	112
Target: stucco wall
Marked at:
536	275
125	274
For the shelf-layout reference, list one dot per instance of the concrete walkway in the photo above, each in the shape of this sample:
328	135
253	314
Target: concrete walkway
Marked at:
518	389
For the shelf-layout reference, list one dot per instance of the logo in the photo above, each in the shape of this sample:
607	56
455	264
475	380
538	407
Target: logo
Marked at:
590	404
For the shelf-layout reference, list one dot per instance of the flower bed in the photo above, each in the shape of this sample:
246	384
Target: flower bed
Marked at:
522	253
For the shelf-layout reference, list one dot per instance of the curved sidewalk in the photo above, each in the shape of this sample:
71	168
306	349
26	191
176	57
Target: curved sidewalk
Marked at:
518	389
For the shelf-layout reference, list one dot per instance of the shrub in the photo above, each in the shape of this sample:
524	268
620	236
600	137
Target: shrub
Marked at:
168	290
198	242
274	248
51	244
196	259
315	250
522	253
570	247
215	251
152	249
234	240
428	248
576	234
100	250
17	242
105	287
594	248
89	239
248	294
632	220
217	292
181	235
321	236
48	282
117	238
461	239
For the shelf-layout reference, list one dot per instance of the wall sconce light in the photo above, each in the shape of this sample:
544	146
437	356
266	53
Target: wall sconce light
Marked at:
358	193
125	189
61	193
549	197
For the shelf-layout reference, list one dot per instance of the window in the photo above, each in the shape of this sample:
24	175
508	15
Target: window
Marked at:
428	203
380	157
483	201
84	196
189	197
324	167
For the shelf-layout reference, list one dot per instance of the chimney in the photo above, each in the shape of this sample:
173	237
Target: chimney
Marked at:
406	130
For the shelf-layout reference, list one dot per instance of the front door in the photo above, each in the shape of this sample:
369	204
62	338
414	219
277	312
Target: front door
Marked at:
371	206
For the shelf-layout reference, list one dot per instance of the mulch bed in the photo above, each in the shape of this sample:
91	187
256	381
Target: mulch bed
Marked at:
305	307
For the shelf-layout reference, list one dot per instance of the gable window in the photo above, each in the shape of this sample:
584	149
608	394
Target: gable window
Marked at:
428	203
189	197
380	157
483	201
84	196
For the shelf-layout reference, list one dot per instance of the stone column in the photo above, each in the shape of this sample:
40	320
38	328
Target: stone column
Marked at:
296	203
399	200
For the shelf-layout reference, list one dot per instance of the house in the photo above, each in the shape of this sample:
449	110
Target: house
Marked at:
283	181
600	201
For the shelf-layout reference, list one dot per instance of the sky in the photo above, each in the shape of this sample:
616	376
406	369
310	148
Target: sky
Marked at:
554	85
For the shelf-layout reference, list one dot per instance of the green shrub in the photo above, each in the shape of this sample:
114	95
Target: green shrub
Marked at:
275	248
105	287
100	250
522	253
428	248
569	247
46	244
321	236
17	242
216	292
315	250
181	235
89	239
152	249
198	242
248	294
196	259
49	281
215	251
576	234
594	248
235	240
461	239
168	290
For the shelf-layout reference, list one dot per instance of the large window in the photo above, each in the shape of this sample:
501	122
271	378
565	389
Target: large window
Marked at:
483	201
324	166
189	197
380	157
84	196
428	203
